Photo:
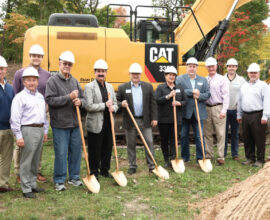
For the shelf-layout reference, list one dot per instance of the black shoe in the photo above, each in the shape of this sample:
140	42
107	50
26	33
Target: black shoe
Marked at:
106	174
151	170
167	164
131	171
38	190
29	195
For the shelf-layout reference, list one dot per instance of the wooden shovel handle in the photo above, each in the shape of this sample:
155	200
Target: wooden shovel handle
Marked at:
113	137
83	141
141	135
175	129
200	129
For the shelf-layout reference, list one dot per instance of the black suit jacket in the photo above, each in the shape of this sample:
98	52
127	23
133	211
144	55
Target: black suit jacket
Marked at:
149	104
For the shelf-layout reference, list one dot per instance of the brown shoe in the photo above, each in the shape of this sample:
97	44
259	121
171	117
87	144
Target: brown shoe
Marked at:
18	179
220	162
236	158
41	178
4	190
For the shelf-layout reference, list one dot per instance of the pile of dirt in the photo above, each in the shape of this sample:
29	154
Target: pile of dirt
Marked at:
12	68
249	199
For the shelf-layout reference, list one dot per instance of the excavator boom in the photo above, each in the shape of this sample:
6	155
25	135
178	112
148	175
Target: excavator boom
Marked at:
208	13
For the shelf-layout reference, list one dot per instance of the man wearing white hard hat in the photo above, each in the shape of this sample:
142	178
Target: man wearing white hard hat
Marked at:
253	116
235	81
6	136
216	107
98	125
164	98
139	96
36	54
63	93
30	127
195	87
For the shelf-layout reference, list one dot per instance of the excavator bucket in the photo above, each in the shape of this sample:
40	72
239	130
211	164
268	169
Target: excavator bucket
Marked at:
208	14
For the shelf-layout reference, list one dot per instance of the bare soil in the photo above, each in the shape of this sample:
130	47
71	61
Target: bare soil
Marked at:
12	68
247	200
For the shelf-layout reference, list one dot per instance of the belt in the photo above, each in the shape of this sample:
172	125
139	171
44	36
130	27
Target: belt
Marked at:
254	112
34	125
213	105
138	117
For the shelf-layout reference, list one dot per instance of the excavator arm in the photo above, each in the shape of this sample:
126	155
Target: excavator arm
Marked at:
209	13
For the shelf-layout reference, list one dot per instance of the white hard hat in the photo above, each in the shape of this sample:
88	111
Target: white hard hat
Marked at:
171	69
30	71
192	60
36	49
210	61
3	62
135	68
67	56
232	62
254	67
101	64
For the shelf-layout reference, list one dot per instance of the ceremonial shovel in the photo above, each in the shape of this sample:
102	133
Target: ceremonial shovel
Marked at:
90	181
178	165
158	170
205	164
119	176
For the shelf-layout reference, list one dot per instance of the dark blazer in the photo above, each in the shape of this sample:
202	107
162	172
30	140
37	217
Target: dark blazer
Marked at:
149	104
202	85
165	108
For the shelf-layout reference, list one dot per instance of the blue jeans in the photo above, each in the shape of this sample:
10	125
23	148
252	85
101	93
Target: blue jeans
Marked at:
67	149
185	138
232	121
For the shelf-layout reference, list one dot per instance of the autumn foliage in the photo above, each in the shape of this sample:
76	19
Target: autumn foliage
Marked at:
14	30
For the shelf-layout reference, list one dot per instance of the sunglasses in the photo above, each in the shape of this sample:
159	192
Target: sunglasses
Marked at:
67	64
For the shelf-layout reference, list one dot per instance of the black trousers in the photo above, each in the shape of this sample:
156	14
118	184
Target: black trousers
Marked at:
167	140
254	134
100	148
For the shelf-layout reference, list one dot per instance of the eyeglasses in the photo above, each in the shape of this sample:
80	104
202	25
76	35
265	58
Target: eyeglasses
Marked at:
253	73
67	64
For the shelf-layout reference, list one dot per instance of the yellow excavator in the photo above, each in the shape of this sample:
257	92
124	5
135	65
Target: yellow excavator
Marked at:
198	34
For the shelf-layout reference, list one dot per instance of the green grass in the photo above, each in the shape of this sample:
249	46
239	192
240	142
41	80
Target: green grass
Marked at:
145	197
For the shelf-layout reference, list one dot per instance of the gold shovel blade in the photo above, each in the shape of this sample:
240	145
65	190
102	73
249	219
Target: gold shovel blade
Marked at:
92	183
205	165
120	178
161	172
178	166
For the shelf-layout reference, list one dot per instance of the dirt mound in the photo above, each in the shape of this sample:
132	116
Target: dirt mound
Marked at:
12	68
249	199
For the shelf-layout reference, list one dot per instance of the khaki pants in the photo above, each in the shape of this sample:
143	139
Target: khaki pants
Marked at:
30	157
6	149
16	158
214	124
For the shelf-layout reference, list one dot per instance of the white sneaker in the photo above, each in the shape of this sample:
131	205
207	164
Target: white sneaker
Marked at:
60	187
75	182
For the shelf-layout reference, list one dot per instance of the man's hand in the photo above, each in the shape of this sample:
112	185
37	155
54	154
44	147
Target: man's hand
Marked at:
109	103
196	93
176	103
45	138
222	115
154	123
239	121
172	93
263	122
111	109
124	103
20	142
74	94
77	102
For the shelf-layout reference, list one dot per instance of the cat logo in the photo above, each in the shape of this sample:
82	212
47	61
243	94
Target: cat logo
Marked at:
157	58
161	55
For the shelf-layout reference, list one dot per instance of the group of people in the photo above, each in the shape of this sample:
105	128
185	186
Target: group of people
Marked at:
223	103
